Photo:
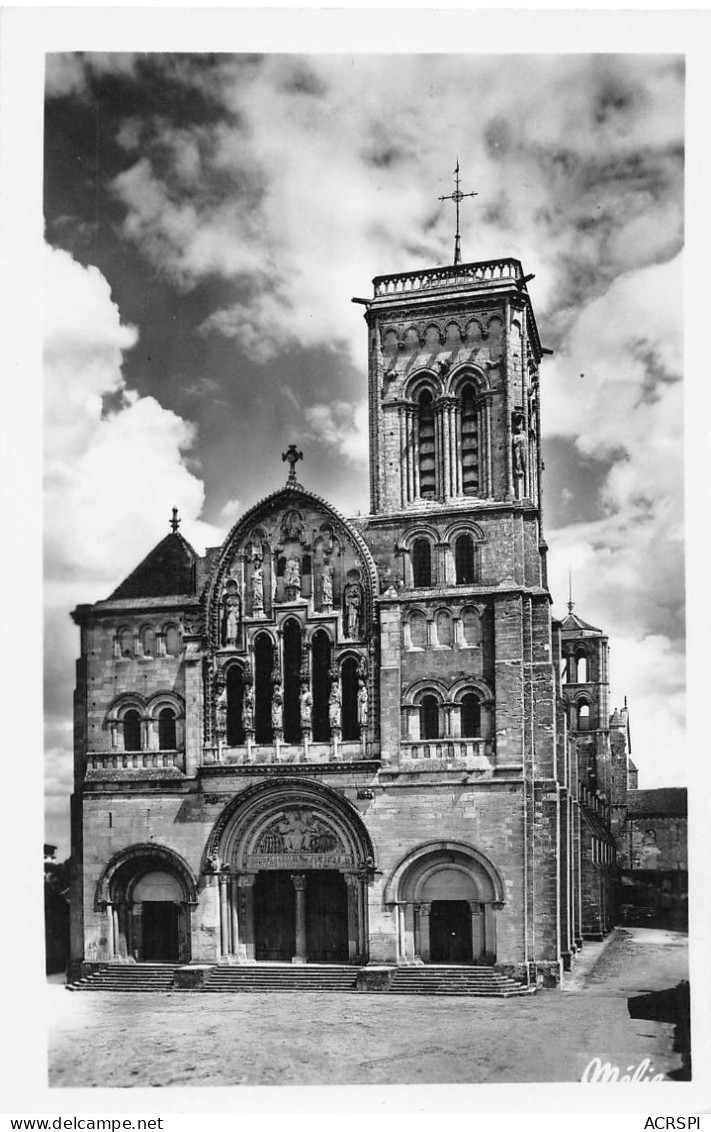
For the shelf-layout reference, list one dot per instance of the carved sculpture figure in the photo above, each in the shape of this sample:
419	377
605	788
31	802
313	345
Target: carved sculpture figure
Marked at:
221	710
292	578
257	587
363	705
277	709
354	603
334	706
293	526
231	618
518	452
305	703
327	584
248	708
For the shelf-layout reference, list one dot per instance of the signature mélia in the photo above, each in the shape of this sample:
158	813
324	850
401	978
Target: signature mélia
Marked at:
597	1072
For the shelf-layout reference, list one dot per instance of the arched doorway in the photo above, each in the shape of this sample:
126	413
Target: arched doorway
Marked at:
147	893
293	860
445	896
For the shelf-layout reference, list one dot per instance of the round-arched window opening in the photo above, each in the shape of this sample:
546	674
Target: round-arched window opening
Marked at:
426	444
584	717
421	562
464	560
469	441
429	717
167	739
172	641
471	716
132	730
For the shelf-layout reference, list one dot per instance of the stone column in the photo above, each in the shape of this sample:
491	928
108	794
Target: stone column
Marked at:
234	916
399	907
246	915
363	942
352	894
415	453
478	941
445	472
121	912
224	917
116	941
489	911
422	931
299	882
110	930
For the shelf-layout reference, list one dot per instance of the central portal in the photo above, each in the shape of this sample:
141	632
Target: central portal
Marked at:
325	911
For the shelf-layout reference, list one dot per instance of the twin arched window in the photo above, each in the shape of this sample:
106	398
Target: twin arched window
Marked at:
470	716
133	730
146	643
455	426
466	561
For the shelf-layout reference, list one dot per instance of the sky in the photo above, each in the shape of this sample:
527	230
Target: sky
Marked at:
208	219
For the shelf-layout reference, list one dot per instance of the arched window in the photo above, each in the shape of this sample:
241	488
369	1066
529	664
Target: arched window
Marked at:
464	560
426	444
167	740
584	717
172	641
148	640
292	685
582	668
125	642
471	716
235	701
471	627
421	562
349	699
429	717
418	630
132	730
444	629
321	666
263	661
470	441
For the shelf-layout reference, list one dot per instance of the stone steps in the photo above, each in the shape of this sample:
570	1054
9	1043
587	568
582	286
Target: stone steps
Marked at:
482	982
128	977
472	982
263	980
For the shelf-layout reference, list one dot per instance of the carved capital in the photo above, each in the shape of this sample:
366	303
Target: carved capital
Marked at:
423	909
299	881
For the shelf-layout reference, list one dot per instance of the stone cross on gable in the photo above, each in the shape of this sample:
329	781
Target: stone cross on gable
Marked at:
292	455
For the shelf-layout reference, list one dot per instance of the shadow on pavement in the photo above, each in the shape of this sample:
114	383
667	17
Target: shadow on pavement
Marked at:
671	1005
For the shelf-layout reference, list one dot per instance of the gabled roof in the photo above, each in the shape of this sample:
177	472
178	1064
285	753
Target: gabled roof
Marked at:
167	571
666	801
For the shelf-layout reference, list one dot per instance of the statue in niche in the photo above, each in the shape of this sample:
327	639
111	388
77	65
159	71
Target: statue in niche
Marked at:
221	709
363	705
292	526
353	600
305	704
292	578
327	585
277	709
334	706
248	707
231	615
327	541
257	587
518	448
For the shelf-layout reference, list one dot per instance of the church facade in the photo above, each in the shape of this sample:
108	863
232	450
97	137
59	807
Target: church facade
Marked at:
338	740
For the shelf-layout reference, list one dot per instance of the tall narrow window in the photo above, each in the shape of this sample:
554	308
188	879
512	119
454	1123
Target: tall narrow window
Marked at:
321	661
166	729
429	718
349	699
172	641
421	562
235	700
132	730
584	717
148	640
471	716
418	630
292	686
126	642
464	560
263	661
582	668
426	444
470	442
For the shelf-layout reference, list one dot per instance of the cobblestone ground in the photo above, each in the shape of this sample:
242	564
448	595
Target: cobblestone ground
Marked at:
163	1040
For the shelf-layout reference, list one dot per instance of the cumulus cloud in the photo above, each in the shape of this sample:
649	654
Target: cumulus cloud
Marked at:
342	427
112	474
296	189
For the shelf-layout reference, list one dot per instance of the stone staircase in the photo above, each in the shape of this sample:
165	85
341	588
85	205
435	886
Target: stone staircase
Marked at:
483	982
281	978
474	982
128	977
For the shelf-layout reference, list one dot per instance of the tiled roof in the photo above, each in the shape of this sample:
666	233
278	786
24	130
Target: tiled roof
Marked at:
666	801
571	623
168	570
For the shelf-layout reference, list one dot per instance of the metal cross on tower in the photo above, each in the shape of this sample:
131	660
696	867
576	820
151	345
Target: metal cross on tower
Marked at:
457	196
292	455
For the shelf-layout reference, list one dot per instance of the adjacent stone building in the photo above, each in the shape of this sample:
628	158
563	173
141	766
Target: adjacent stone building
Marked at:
652	858
346	740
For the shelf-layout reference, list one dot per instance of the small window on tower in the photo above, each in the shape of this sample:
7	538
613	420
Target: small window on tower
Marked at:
464	560
429	718
421	562
584	717
132	730
426	444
